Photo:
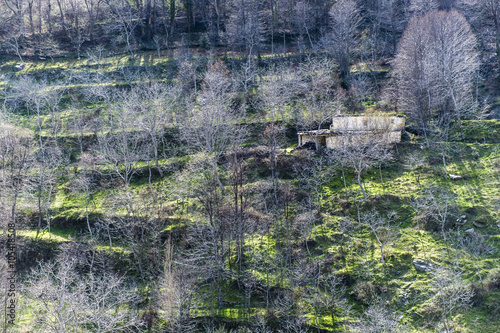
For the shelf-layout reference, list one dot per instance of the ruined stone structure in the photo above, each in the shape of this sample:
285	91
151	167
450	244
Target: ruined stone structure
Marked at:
355	130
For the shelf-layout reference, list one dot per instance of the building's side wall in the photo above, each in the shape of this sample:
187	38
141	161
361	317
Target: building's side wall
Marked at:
360	138
305	138
368	123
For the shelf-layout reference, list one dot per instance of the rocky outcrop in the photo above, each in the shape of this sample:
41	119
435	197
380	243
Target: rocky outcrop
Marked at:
423	265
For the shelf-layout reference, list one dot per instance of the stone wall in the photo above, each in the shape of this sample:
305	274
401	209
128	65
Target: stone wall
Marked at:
367	123
356	130
361	138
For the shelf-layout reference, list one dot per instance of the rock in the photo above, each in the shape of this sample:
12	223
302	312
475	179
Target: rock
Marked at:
455	177
463	216
422	265
478	224
19	67
469	231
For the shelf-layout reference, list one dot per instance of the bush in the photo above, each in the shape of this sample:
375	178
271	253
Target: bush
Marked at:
478	294
365	291
493	280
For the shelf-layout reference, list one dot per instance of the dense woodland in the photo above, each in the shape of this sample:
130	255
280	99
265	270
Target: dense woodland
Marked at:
150	178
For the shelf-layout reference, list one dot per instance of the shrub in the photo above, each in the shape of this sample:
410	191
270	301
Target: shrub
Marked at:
493	280
365	291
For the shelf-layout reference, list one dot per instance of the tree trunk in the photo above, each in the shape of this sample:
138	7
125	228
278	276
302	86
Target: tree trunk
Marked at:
444	165
63	23
172	16
361	185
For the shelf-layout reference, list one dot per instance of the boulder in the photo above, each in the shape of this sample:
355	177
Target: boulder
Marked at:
19	67
469	231
478	224
423	265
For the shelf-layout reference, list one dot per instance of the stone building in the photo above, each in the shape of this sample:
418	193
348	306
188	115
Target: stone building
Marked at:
356	130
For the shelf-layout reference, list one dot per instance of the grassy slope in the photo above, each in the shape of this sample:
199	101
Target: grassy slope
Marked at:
476	157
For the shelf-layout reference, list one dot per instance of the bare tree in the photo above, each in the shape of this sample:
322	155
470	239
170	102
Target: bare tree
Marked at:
290	312
15	154
312	174
156	109
303	23
92	8
484	16
213	131
436	207
41	97
243	27
388	19
278	86
378	318
329	296
435	68
477	246
344	20
125	22
421	7
176	295
361	155
16	147
120	144
381	227
212	125
67	300
46	168
322	100
84	183
451	293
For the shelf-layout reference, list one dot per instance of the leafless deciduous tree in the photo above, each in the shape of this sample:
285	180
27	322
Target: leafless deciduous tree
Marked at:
477	246
156	109
84	184
387	19
15	153
44	99
344	20
322	98
212	125
452	293
65	300
381	227
360	155
378	318
16	147
176	294
420	7
124	22
120	144
435	68
276	90
436	209
328	296
484	16
243	28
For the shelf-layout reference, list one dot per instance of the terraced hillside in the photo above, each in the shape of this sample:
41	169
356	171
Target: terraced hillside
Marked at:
155	194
